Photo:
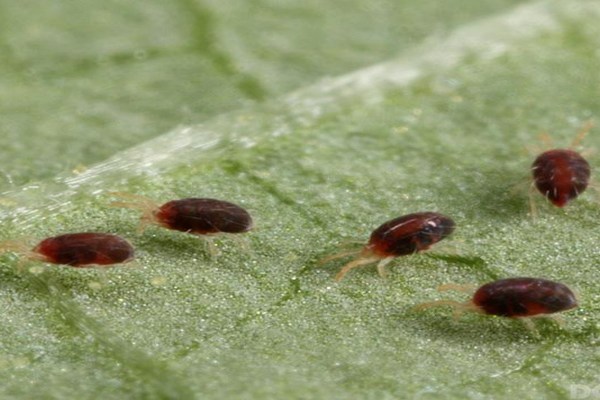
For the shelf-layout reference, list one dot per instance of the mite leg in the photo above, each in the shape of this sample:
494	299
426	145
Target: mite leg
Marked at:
353	264
585	129
211	246
137	202
558	319
532	206
530	326
338	255
241	241
381	266
457	287
458	308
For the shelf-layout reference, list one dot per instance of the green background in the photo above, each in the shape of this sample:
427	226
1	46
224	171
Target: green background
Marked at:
323	119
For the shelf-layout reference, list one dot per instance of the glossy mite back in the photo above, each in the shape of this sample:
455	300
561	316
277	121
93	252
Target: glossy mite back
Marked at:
524	297
410	234
203	216
561	175
84	249
400	236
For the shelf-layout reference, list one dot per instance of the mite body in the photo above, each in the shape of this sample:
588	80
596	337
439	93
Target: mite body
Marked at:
199	216
523	297
203	216
513	298
560	175
77	249
401	236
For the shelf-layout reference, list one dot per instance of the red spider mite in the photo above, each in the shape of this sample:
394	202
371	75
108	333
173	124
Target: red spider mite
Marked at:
77	249
512	298
199	216
401	236
562	174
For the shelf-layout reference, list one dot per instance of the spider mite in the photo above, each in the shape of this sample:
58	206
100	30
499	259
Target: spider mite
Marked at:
77	249
197	216
562	174
513	298
401	236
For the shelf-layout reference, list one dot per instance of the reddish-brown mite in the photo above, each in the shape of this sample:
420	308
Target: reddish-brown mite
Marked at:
401	236
77	249
562	174
198	216
513	298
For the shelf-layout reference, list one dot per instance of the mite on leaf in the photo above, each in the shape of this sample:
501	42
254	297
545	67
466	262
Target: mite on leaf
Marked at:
198	216
561	175
83	249
401	236
513	298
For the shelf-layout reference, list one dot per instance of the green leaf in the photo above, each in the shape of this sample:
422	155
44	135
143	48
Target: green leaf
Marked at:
318	161
80	81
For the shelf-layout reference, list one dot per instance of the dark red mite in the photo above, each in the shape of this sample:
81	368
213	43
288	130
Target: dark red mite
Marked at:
198	216
85	249
401	236
523	297
76	249
561	175
513	298
203	216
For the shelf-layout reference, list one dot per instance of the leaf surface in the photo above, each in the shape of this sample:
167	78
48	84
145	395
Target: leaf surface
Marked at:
443	126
